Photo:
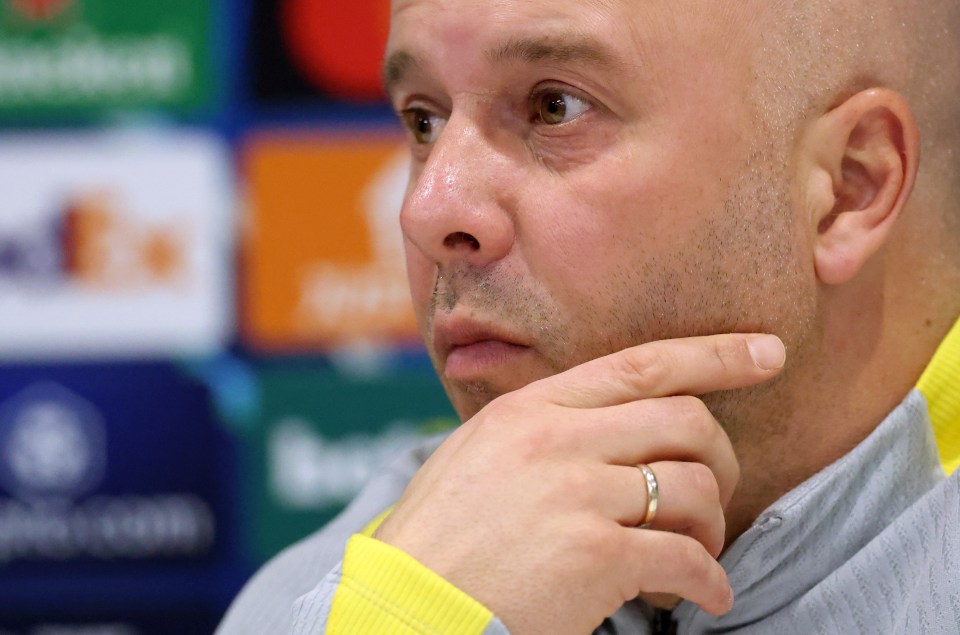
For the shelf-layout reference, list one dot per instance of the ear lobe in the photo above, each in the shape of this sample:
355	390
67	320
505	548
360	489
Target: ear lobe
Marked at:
868	148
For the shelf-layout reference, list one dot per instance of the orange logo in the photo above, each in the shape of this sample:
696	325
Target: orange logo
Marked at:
323	255
103	248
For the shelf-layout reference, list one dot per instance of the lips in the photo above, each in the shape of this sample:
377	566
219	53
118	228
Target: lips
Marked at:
473	350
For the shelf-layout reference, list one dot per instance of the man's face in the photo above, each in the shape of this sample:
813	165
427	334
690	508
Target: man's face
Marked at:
587	175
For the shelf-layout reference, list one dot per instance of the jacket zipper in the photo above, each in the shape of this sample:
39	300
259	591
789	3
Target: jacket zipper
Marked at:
662	623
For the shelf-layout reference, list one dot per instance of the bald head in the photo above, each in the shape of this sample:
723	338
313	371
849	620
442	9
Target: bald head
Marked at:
814	54
820	51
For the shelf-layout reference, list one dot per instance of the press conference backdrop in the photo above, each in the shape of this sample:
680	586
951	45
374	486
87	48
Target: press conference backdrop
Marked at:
206	344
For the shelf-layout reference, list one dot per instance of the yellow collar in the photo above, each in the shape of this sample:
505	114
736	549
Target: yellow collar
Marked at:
940	384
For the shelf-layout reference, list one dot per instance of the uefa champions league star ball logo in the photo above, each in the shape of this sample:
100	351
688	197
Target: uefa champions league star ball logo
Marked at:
52	444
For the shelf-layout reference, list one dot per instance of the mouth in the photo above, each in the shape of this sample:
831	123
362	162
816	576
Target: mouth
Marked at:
472	350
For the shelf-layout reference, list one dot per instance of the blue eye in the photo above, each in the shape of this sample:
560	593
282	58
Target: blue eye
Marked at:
424	125
556	107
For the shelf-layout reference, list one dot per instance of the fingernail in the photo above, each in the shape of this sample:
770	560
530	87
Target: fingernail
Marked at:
730	600
767	351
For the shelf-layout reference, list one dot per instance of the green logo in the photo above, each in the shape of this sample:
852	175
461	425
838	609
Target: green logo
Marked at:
67	57
321	436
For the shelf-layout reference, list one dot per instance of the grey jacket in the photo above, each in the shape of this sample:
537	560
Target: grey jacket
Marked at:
871	544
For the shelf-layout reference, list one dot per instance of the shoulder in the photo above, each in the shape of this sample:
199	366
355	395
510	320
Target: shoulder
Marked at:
904	581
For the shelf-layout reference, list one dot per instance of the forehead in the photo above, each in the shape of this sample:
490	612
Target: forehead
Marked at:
632	32
480	23
508	10
543	6
589	14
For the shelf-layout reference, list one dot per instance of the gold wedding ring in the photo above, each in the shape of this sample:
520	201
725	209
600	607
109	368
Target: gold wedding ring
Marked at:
653	495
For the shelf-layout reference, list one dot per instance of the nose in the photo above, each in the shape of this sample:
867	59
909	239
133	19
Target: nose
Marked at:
456	211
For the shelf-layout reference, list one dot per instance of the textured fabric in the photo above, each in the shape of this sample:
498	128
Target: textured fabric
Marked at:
939	385
868	545
383	591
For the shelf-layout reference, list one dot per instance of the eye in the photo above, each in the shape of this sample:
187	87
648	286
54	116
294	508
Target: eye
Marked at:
423	124
555	107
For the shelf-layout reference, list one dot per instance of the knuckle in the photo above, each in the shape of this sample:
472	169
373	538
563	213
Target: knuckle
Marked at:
734	476
535	438
490	414
697	563
703	481
508	419
596	542
611	544
644	367
575	485
689	408
698	418
731	353
716	538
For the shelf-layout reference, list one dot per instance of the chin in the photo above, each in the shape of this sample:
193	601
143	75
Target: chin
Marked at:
469	399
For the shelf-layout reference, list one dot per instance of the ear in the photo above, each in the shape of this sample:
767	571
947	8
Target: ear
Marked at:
865	152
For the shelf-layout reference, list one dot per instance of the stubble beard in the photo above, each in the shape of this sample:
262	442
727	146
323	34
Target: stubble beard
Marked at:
519	302
740	272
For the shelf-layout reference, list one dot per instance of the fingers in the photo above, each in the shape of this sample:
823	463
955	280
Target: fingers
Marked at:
689	502
663	562
670	428
688	366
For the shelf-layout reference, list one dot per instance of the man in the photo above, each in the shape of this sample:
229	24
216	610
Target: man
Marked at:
611	203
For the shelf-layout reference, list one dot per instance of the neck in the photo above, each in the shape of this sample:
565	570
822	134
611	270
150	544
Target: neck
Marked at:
873	344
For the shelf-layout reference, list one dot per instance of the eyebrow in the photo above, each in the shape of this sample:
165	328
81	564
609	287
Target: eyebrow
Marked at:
396	66
563	49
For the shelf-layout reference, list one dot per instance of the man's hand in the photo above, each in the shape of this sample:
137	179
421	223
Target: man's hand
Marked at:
531	506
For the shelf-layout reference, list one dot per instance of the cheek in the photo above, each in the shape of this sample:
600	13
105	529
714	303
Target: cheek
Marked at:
590	229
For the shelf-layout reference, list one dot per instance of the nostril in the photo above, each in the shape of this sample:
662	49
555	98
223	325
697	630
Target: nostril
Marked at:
461	238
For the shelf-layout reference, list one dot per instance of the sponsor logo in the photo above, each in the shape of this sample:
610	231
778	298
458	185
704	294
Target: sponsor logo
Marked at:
114	245
53	444
54	454
307	471
324	259
321	436
93	242
86	68
106	528
84	53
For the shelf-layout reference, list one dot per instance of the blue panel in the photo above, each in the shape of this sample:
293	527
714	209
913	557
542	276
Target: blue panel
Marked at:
113	484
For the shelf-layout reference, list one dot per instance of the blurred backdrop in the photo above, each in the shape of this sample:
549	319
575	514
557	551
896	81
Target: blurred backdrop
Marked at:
206	344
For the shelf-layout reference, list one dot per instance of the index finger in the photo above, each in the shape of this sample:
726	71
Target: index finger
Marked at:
687	366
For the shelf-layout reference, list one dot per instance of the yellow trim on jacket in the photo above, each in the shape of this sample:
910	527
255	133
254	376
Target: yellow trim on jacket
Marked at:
384	591
940	384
